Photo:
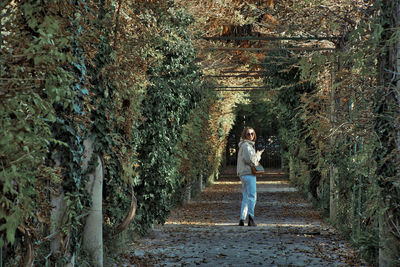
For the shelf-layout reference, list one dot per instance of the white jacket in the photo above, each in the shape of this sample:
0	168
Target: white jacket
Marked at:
247	157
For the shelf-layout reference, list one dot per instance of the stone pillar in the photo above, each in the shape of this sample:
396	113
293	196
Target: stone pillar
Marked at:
200	183
59	205
187	193
57	213
93	231
333	195
333	172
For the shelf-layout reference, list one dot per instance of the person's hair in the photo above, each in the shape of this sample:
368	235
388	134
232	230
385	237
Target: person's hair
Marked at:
244	132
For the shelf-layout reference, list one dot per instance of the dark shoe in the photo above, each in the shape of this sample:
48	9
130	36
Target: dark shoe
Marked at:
241	223
251	222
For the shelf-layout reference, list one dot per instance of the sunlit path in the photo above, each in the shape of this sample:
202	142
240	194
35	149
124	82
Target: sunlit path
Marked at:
204	231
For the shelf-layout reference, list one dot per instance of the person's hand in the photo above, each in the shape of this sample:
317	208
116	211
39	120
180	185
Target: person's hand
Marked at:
259	152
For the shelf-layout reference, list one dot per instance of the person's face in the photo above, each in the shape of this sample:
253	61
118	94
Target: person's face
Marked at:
250	134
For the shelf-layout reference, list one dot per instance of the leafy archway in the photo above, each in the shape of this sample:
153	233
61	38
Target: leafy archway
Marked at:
137	76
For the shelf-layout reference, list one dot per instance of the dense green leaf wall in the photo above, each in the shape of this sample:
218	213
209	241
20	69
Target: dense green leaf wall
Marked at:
84	73
35	78
175	88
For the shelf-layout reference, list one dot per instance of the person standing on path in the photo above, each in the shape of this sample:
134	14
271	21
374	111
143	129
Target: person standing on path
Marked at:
247	157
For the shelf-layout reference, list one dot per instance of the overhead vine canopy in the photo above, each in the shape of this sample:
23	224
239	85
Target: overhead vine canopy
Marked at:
330	19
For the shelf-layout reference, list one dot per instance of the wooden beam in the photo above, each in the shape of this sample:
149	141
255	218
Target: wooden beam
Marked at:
243	71
261	62
234	64
234	76
269	63
259	49
242	87
243	90
269	38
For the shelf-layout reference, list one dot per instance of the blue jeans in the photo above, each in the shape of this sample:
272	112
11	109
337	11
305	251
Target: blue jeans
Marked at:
249	196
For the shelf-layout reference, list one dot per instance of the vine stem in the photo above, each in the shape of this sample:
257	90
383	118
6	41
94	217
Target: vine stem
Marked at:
21	158
117	22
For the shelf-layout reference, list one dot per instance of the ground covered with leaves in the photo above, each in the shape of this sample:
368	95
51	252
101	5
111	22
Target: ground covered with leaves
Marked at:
205	231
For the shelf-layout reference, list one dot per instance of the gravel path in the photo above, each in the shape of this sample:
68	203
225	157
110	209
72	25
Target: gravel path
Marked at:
204	231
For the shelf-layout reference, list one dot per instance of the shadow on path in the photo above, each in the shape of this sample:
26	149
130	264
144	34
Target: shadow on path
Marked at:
204	231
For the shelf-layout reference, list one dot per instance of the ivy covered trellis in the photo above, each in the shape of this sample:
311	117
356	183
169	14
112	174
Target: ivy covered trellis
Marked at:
337	111
126	74
84	73
342	134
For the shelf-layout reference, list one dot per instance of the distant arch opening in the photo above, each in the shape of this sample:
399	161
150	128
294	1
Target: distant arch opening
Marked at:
257	115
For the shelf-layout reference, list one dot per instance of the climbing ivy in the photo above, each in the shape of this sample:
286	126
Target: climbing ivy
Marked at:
342	123
196	142
174	89
34	79
96	81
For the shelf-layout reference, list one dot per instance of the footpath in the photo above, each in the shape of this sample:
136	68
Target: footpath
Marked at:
205	231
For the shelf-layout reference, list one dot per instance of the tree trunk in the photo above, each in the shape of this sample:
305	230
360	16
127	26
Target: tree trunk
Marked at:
129	216
93	231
